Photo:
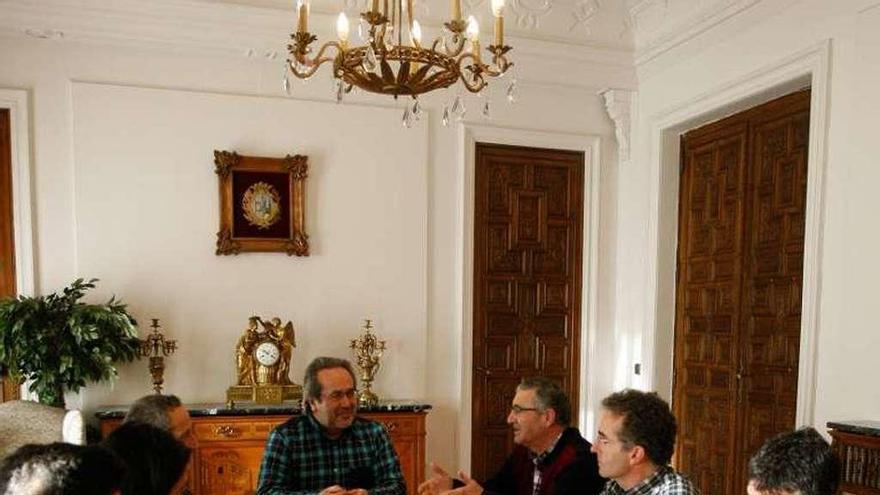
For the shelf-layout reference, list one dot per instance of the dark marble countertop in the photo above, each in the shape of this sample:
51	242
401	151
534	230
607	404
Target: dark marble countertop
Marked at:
251	409
860	427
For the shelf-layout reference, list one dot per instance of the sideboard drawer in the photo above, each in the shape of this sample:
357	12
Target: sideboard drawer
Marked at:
226	429
397	425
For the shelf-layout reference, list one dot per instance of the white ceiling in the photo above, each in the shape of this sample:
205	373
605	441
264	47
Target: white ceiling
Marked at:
597	23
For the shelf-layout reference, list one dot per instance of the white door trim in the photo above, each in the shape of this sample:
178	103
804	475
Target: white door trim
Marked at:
810	67
469	135
16	100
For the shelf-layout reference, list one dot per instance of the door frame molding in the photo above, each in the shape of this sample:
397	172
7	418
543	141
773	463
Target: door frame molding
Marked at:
590	145
16	100
809	67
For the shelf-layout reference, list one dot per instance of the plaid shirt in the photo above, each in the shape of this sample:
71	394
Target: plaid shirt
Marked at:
663	482
301	459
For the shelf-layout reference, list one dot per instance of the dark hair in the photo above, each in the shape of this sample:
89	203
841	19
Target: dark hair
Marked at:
549	396
647	422
155	459
311	385
153	410
798	461
61	469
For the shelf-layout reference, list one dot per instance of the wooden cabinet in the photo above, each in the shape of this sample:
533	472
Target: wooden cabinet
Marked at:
857	444
227	459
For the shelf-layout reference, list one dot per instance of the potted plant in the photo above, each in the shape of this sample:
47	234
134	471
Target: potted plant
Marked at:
58	343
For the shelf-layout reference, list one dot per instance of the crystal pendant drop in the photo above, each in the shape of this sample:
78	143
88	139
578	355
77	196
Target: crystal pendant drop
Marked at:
416	109
458	108
285	81
362	30
370	61
407	117
340	90
445	115
511	91
388	39
486	112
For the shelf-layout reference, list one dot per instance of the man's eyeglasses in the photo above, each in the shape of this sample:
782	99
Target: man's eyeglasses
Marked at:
515	409
337	395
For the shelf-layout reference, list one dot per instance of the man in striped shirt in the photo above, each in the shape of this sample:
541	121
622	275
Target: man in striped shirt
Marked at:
329	450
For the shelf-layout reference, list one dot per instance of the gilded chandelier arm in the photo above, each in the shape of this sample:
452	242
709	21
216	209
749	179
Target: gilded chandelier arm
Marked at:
299	50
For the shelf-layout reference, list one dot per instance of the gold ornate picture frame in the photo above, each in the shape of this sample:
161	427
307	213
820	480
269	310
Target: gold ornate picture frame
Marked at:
262	203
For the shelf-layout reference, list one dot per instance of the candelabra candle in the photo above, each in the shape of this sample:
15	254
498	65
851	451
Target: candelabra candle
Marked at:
157	348
367	351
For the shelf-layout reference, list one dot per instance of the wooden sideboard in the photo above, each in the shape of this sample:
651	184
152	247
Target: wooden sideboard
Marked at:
231	442
857	444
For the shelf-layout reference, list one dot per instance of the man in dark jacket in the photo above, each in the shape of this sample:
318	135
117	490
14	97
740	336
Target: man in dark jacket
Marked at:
551	457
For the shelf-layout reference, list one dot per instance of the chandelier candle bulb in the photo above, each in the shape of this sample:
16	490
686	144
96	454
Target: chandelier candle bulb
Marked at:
497	7
456	10
473	34
342	28
374	7
302	21
416	34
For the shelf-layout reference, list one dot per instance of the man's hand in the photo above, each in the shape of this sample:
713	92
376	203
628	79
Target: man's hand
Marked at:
470	487
356	491
440	481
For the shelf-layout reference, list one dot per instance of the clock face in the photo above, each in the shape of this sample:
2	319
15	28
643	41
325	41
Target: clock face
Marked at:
267	353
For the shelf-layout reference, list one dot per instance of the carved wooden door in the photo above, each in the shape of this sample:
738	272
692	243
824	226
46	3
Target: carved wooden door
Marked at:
527	284
740	272
8	389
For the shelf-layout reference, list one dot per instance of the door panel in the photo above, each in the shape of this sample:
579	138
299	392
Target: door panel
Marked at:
710	266
738	304
527	270
8	389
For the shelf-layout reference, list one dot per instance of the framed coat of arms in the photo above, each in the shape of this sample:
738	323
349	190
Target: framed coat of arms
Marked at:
262	204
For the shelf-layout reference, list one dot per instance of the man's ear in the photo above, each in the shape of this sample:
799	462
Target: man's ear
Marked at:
637	455
551	416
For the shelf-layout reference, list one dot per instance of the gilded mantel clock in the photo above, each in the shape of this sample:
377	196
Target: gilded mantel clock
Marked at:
262	361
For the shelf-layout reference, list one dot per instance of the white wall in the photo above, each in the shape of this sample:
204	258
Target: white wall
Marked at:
124	190
735	52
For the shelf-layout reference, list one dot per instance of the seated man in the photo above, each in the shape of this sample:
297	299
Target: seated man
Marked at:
154	459
551	457
165	412
328	449
61	468
796	463
634	446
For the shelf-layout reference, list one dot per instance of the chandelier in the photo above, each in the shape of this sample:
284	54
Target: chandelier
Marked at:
386	64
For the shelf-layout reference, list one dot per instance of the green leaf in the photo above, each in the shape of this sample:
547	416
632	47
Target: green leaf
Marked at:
61	343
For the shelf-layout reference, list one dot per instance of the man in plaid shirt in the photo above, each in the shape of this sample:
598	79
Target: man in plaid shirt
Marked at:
634	445
329	450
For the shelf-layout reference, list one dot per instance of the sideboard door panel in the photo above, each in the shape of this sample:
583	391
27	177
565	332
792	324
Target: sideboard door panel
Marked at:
231	468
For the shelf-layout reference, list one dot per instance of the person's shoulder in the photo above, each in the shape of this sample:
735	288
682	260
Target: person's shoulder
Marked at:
572	436
294	425
675	483
368	426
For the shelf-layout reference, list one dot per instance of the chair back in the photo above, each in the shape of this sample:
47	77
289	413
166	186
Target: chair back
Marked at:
23	422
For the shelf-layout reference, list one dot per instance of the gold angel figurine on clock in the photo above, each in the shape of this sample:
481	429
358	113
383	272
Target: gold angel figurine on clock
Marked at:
262	362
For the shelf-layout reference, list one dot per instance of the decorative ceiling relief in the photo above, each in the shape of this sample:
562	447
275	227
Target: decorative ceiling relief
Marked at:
528	12
584	13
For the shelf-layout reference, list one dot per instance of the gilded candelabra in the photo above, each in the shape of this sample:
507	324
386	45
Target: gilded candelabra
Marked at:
157	348
367	351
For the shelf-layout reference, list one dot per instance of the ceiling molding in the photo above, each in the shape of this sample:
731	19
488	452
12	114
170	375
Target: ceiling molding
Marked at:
251	24
261	34
661	25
